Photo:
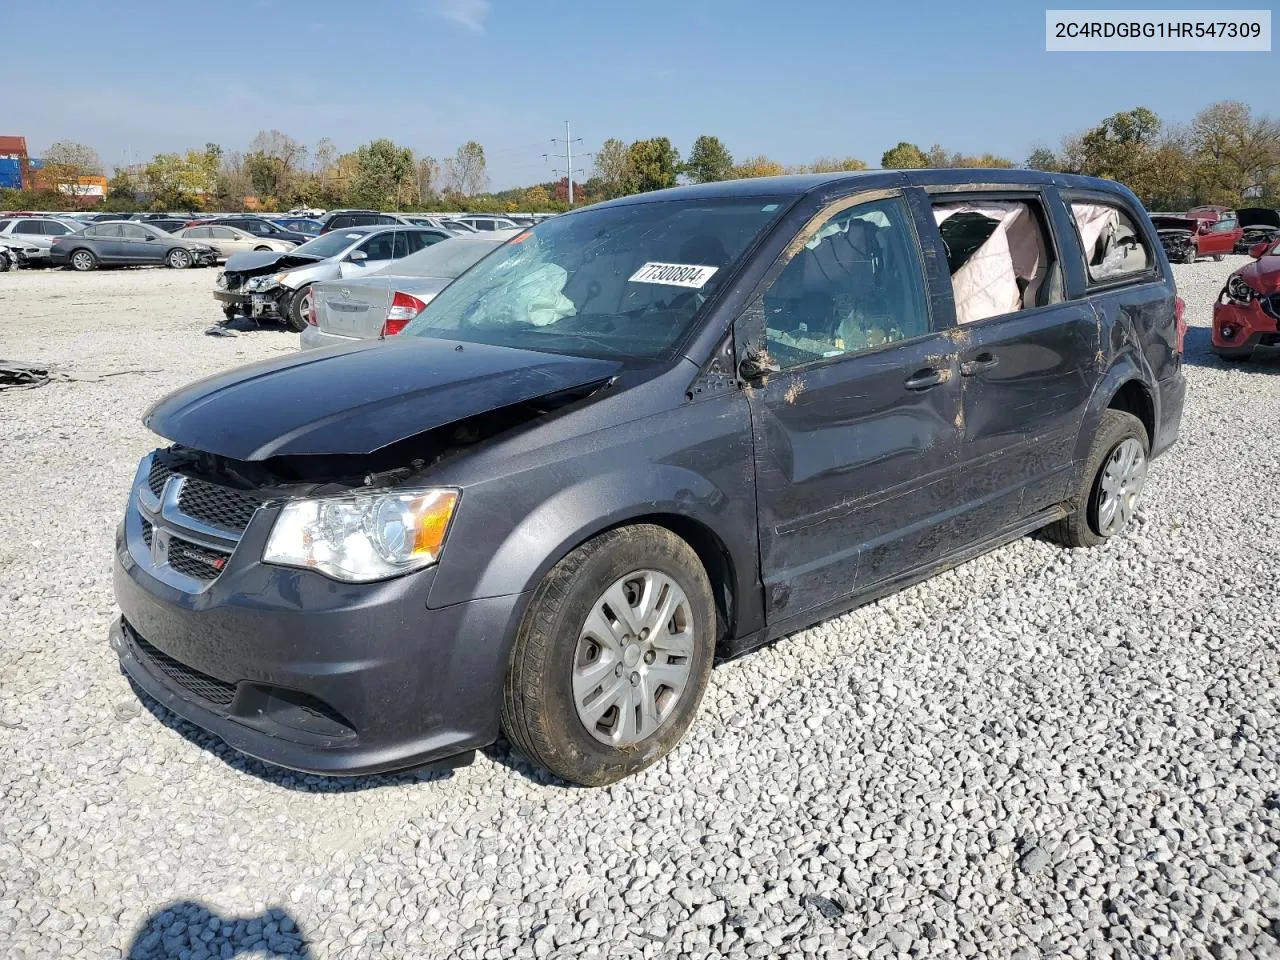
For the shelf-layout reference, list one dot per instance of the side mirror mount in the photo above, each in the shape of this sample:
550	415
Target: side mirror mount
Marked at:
755	365
357	255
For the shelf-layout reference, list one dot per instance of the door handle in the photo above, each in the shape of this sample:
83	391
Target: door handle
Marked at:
924	379
983	361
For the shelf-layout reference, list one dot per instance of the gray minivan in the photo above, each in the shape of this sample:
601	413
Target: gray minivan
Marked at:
639	436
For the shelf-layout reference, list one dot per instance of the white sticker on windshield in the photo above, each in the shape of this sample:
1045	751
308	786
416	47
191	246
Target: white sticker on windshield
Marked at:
674	274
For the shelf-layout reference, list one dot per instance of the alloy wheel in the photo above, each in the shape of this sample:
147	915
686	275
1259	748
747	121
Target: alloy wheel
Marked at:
1123	476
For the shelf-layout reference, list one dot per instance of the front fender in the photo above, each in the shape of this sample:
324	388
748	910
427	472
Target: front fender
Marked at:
584	509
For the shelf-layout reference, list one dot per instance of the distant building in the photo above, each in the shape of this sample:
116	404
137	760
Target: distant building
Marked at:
15	163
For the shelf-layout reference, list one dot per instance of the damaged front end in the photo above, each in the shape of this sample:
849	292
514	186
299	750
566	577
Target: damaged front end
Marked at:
1260	225
1178	237
255	285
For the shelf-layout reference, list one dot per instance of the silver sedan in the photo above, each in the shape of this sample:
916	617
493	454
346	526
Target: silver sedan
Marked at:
381	304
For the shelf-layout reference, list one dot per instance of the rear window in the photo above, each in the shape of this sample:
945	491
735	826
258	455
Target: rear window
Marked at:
1113	246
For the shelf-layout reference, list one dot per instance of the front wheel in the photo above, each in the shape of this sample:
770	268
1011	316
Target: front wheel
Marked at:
295	314
4	263
1110	484
178	259
1219	257
612	656
1190	255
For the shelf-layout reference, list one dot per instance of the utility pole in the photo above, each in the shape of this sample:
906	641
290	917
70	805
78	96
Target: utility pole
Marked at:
567	156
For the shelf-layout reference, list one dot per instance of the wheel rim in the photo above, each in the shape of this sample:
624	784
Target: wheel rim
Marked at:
179	259
1123	476
82	261
304	305
634	658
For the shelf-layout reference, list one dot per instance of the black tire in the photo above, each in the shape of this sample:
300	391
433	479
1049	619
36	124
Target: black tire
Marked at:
1190	255
293	317
1080	529
1219	257
538	712
1235	356
83	260
179	259
4	264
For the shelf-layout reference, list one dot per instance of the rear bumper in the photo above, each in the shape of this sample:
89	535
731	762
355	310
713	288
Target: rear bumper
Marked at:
313	337
311	674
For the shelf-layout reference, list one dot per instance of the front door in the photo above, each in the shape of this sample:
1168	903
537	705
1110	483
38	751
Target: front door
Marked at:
856	443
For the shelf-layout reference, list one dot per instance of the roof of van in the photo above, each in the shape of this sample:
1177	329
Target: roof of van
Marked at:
798	184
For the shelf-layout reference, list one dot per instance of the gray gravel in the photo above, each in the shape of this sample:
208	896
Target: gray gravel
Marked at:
1042	753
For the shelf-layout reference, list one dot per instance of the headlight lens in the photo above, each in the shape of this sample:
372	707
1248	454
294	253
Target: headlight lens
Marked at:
1239	291
360	537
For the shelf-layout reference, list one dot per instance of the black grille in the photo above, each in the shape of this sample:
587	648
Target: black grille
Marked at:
195	561
233	280
156	477
146	533
220	507
207	688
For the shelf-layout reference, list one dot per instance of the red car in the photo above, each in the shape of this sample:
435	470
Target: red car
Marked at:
1247	314
1201	233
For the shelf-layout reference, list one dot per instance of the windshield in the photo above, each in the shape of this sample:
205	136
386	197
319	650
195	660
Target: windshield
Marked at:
447	259
328	245
616	281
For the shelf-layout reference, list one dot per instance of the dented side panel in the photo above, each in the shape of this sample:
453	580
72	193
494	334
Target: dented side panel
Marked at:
855	472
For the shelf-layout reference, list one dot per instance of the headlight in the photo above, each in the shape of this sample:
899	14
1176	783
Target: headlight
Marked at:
220	281
259	283
1239	291
359	537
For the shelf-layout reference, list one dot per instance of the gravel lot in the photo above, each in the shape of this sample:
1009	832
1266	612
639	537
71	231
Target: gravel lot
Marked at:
1040	753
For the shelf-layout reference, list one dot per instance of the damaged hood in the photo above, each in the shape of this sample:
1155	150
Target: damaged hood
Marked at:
1175	223
259	261
1263	275
359	399
1259	217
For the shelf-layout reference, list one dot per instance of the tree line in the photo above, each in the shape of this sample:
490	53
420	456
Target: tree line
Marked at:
1226	155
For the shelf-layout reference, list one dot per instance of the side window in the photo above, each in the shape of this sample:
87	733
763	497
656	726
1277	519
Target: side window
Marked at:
1223	226
4	224
341	223
999	256
222	233
856	284
379	247
52	228
29	226
1113	246
130	232
199	233
110	230
400	245
256	227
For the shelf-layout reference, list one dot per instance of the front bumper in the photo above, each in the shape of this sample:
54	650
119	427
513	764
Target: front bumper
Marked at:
308	673
1239	328
268	303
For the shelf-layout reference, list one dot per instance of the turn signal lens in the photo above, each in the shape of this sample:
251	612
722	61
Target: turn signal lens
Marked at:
404	308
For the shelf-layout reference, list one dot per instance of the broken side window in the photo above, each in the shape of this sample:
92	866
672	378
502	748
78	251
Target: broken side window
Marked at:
855	284
999	257
1113	247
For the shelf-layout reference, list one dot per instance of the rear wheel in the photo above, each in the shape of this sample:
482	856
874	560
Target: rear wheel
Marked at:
262	249
178	259
1110	485
84	260
295	314
612	657
1219	257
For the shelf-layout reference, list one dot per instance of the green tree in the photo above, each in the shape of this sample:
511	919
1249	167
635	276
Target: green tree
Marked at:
904	156
758	166
832	165
709	161
612	164
466	172
384	175
1042	158
1122	148
65	163
652	164
1234	153
272	162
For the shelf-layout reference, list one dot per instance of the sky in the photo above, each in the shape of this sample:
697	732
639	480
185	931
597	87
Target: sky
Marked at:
794	81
